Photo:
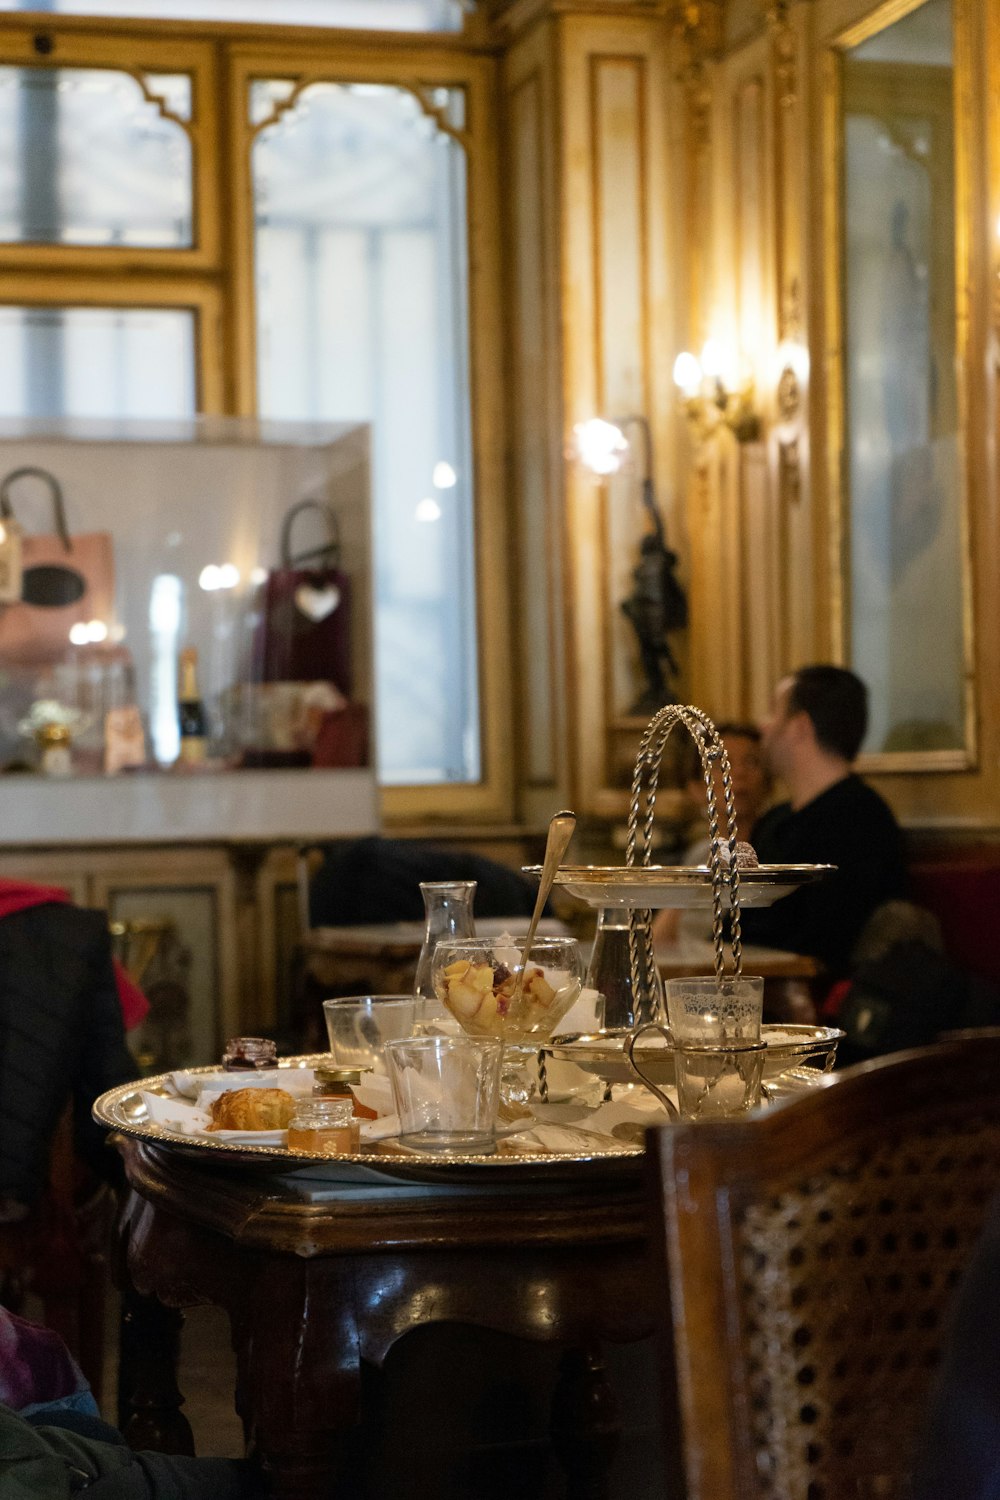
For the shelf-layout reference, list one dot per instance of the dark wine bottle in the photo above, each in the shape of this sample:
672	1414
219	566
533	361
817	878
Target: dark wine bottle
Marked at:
191	717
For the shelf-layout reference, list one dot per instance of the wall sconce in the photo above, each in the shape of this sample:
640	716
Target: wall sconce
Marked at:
657	603
714	392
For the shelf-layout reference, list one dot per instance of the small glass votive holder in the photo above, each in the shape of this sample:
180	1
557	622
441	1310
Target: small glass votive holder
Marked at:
713	1012
324	1127
358	1026
446	1091
719	1083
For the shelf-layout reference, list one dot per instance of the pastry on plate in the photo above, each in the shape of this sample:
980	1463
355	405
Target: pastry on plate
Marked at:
252	1109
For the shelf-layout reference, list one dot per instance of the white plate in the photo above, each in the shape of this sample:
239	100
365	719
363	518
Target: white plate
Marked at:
677	885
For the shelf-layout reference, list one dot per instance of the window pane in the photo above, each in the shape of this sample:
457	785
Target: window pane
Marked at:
90	161
362	285
97	362
904	472
375	15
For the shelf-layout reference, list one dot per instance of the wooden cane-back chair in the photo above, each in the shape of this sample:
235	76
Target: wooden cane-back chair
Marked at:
811	1256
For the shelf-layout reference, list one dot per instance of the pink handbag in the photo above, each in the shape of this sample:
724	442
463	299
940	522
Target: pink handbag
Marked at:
66	581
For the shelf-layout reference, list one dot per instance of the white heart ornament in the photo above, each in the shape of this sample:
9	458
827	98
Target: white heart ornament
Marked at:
317	604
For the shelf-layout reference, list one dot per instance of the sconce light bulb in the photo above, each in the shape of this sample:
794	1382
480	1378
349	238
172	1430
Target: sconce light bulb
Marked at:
687	373
600	446
712	358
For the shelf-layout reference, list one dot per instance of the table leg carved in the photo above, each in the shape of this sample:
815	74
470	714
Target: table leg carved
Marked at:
149	1401
318	1296
586	1424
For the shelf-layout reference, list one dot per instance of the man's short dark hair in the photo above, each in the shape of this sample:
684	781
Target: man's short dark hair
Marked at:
836	701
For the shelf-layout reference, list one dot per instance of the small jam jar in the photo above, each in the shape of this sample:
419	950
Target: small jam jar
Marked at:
243	1054
335	1083
324	1127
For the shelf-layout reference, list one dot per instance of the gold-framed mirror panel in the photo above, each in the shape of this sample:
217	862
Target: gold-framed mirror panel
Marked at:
138	56
198	295
921	418
418	70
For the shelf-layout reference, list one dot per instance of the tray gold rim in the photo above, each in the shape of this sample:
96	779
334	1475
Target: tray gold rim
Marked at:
106	1112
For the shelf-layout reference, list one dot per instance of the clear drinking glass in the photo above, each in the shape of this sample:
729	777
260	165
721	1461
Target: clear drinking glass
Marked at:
712	1012
448	913
610	972
446	1091
718	1083
359	1026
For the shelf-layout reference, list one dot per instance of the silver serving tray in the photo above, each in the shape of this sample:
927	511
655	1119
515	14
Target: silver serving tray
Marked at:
124	1109
682	886
604	1055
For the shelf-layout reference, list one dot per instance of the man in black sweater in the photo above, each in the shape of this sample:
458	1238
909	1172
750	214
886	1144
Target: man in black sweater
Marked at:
817	723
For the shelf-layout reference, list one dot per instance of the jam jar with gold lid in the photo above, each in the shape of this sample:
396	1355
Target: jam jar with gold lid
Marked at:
324	1127
245	1054
335	1083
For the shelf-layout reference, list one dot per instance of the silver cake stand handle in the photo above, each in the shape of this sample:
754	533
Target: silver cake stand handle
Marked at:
630	1042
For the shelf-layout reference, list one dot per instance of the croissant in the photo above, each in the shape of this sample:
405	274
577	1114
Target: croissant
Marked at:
251	1109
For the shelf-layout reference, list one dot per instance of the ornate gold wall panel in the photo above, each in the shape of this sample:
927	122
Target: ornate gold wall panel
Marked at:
611	265
774	253
536	457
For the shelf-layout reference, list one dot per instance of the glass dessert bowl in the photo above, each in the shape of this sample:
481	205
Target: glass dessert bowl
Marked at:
476	980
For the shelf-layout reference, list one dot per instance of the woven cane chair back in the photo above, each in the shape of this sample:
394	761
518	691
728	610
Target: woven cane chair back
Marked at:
812	1254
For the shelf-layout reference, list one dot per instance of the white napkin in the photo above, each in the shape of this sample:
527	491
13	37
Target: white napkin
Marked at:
582	1014
190	1120
292	1080
375	1092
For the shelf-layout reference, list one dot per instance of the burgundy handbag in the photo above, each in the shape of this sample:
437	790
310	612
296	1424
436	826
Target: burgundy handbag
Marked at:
66	580
304	634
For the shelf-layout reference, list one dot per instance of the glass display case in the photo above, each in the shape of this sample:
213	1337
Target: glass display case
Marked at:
185	631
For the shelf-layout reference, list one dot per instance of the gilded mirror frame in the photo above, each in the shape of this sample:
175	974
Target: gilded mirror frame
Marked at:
963	757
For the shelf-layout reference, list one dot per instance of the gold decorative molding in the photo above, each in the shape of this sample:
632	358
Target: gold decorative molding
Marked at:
783	44
790	320
789	394
159	101
698	28
422	92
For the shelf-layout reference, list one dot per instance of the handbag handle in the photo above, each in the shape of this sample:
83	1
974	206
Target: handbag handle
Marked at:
55	489
328	553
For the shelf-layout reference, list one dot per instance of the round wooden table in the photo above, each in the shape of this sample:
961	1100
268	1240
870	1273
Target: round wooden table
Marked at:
319	1279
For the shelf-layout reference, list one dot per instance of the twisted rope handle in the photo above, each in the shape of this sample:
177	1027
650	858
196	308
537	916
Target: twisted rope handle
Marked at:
642	806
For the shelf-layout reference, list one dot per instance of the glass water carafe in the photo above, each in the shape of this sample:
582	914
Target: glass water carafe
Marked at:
448	913
610	972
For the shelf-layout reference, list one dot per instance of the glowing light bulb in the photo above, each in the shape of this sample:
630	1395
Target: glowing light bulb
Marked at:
229	576
687	373
444	476
600	446
208	578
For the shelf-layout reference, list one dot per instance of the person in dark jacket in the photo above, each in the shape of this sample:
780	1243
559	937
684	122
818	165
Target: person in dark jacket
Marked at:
815	730
62	1038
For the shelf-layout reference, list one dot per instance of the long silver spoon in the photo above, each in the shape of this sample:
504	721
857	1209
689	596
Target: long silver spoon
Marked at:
561	826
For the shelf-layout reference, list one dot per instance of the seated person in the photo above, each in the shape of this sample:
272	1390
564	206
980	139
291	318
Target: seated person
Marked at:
378	880
815	730
62	1034
54	1444
751	789
903	990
